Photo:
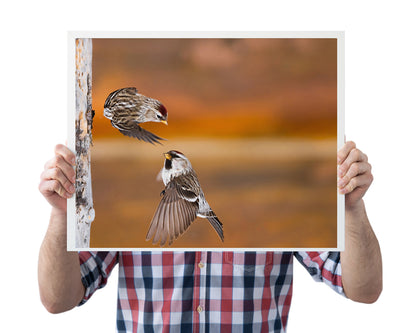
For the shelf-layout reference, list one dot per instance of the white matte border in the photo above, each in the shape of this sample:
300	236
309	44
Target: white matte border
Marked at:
71	220
339	35
341	133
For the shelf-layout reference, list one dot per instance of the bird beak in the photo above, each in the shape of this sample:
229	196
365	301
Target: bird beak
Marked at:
168	156
164	122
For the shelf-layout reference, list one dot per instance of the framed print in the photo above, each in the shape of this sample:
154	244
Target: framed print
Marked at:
215	141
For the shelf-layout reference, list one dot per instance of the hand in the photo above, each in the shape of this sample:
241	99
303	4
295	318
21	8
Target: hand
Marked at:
58	179
354	174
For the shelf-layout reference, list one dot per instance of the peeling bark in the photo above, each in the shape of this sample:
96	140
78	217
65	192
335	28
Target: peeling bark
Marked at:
84	210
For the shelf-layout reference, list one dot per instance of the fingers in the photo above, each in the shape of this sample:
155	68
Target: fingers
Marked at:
354	171
64	160
66	153
344	151
51	187
54	180
358	181
348	155
59	174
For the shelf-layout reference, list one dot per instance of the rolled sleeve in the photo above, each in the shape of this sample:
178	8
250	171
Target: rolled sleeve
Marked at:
95	267
323	267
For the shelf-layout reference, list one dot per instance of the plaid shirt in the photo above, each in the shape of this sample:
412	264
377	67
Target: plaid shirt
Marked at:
204	291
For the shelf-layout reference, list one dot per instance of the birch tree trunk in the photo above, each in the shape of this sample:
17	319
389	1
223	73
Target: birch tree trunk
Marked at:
83	140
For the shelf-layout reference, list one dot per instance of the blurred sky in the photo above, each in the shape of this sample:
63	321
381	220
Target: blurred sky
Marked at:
224	87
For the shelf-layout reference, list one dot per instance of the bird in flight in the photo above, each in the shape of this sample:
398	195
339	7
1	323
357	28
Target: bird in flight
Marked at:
182	201
127	109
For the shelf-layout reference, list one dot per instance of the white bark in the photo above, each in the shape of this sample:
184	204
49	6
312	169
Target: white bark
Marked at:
83	140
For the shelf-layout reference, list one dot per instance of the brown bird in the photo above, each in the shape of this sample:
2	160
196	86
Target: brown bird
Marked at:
127	109
182	201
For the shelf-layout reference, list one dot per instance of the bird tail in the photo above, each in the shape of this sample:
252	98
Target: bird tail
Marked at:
216	224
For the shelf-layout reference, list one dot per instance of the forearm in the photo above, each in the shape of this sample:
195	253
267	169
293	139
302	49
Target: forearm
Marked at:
361	261
59	273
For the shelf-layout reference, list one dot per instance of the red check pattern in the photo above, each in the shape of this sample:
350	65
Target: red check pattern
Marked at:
205	291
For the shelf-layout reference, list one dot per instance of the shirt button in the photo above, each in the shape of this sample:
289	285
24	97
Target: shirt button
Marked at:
199	309
201	265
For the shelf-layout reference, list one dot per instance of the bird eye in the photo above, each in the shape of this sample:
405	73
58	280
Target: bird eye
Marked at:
159	116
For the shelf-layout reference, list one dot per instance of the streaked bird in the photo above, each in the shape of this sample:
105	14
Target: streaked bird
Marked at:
127	109
182	201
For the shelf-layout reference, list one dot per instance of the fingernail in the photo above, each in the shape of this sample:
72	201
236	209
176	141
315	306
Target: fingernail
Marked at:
72	188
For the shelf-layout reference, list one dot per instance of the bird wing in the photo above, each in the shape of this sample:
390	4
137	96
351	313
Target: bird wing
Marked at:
173	215
121	93
133	130
188	186
189	189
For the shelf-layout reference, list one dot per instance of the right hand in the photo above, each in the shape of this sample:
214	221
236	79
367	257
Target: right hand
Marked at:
57	181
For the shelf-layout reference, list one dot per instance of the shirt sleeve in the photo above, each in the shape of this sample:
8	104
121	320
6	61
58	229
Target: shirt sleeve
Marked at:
96	267
323	267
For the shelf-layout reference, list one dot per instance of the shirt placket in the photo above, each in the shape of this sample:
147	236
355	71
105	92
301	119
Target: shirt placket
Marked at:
200	291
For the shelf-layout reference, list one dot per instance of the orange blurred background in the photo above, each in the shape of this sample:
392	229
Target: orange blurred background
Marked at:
256	117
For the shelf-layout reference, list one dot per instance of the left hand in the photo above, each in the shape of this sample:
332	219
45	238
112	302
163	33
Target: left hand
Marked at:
354	174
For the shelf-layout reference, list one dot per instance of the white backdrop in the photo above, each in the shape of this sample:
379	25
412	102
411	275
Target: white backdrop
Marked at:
380	108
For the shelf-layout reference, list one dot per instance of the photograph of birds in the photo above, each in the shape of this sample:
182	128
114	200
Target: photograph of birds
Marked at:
127	109
273	166
182	201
